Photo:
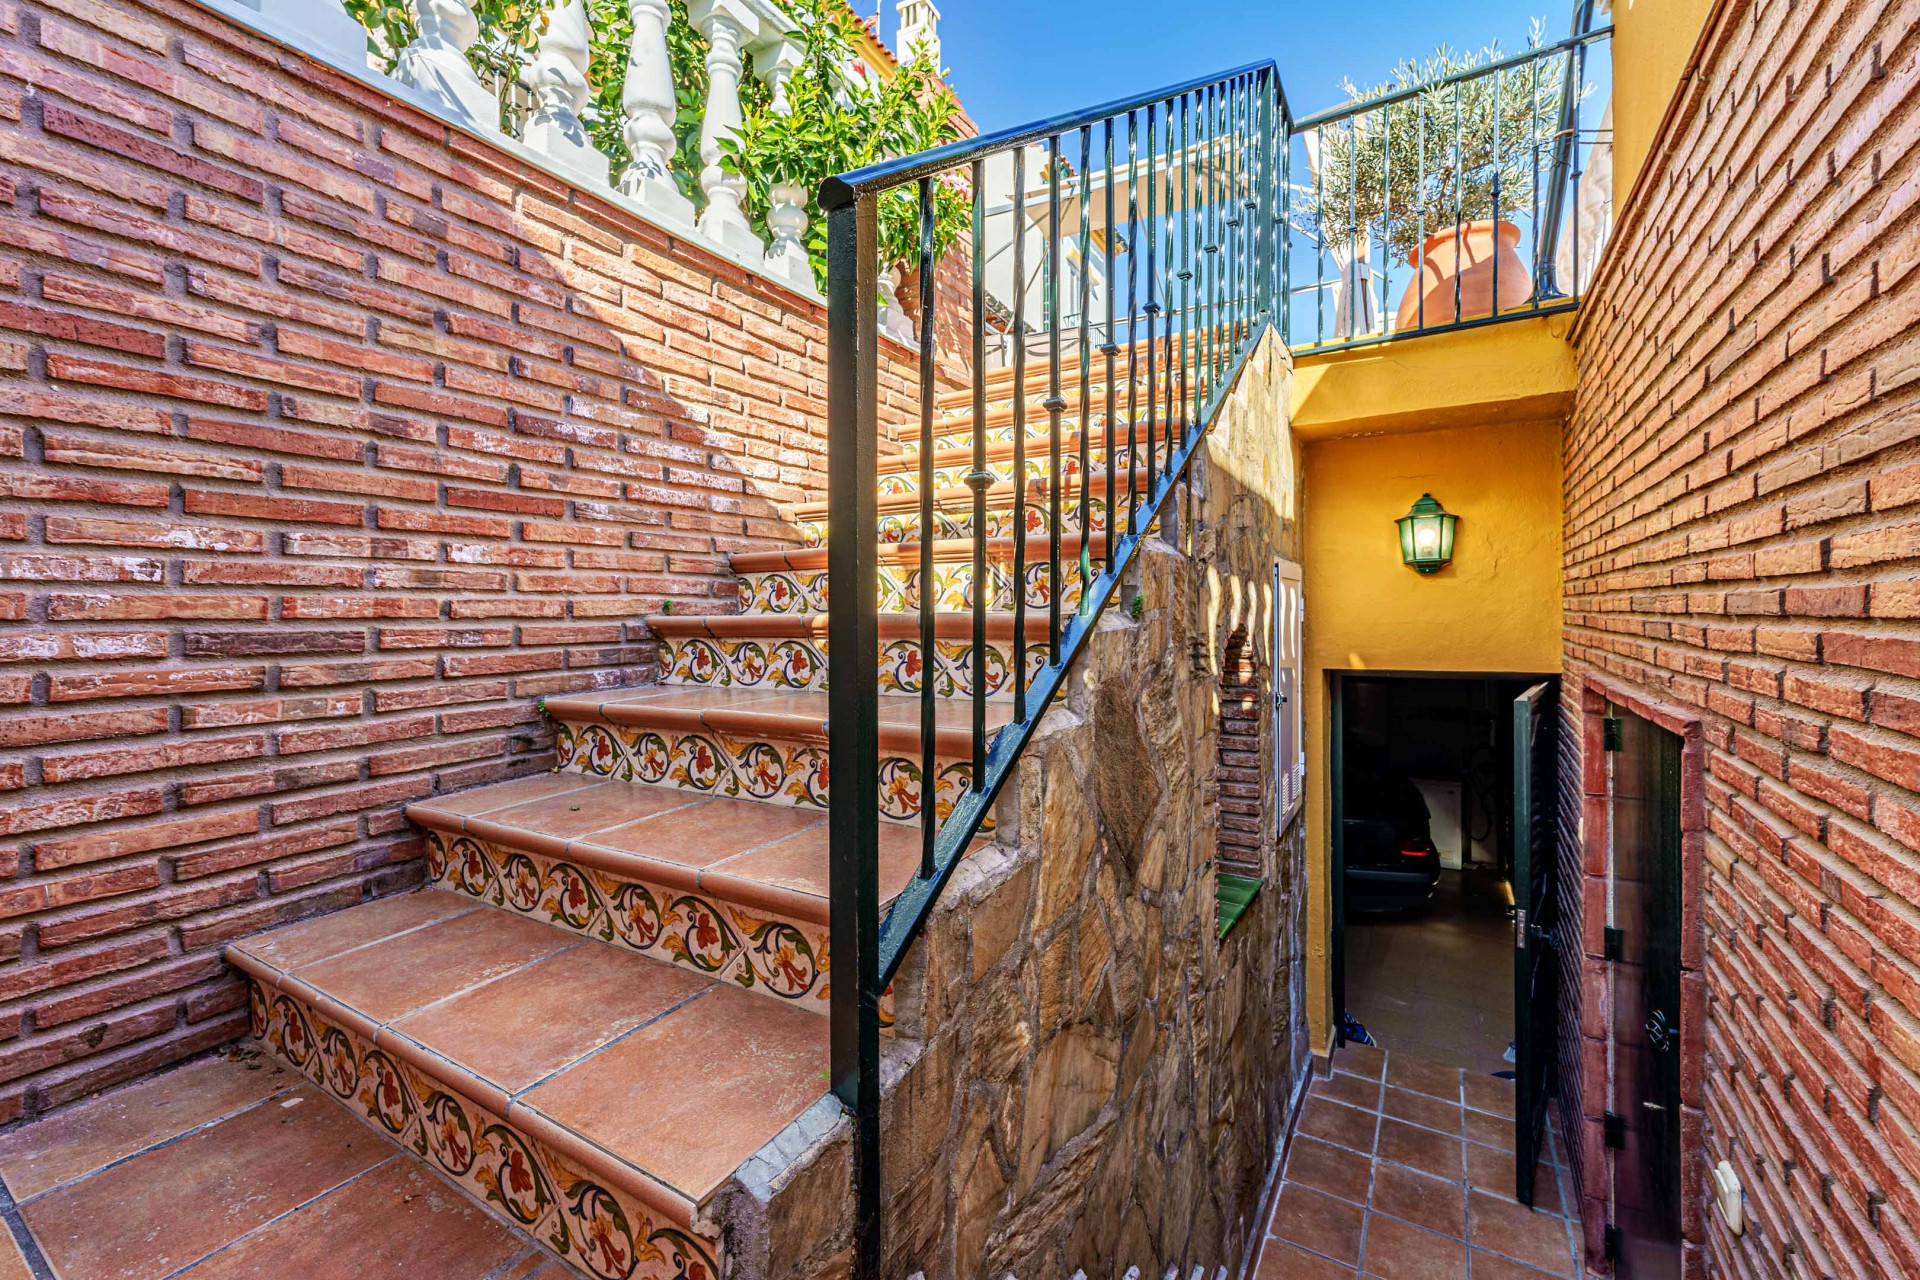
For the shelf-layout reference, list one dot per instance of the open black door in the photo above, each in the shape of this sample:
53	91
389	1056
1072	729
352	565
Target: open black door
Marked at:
1536	974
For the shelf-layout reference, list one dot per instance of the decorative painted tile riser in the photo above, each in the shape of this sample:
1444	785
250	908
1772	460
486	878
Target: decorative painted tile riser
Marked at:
599	1232
802	664
788	592
716	765
782	959
1039	467
904	526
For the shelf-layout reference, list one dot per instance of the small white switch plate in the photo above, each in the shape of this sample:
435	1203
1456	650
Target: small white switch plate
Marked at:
1727	1194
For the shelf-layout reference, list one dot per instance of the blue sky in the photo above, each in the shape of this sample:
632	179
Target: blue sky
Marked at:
1019	60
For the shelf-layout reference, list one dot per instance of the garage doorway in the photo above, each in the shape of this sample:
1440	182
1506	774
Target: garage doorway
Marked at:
1423	863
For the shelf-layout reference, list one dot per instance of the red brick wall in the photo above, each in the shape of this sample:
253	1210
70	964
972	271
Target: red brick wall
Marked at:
330	441
1741	536
1241	768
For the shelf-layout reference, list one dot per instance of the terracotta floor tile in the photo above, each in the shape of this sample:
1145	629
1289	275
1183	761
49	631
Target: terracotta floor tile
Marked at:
498	796
1426	1201
13	1266
700	697
1421	1076
125	1223
80	1139
1538	1239
517	1031
1491	1130
300	944
1491	1266
1491	1170
1418	1108
1282	1261
800	862
1421	1149
1325	1167
1401	1251
1490	1094
949	713
1361	1060
415	969
396	1220
590	809
1354	1091
690	1096
1343	1126
709	831
1327	1226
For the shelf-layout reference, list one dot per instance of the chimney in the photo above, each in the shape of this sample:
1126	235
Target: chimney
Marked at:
919	26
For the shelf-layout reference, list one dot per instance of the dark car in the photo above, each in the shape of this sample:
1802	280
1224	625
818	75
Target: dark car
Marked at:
1387	845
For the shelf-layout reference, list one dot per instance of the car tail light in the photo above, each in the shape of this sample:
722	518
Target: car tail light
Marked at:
1416	853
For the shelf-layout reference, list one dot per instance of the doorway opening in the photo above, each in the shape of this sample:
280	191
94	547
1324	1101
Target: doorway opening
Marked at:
1424	862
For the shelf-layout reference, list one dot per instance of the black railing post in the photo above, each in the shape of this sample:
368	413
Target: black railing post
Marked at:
853	752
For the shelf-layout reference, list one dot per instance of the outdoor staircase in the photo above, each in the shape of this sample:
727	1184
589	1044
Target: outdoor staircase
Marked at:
616	990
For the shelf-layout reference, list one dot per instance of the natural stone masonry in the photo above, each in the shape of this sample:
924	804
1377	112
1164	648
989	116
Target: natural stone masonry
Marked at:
1083	1073
1740	540
332	441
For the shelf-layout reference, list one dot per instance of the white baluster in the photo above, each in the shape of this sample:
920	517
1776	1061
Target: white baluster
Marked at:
787	219
436	64
322	26
648	101
724	23
559	79
774	62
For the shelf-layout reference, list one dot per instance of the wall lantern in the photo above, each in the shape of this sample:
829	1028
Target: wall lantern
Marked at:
1426	535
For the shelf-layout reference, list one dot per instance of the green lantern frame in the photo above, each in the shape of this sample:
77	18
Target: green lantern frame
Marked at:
1426	535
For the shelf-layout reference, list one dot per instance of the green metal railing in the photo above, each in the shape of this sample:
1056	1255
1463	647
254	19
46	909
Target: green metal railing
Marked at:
1185	186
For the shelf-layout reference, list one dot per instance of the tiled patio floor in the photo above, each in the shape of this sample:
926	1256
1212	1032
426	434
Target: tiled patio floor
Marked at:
232	1167
1403	1169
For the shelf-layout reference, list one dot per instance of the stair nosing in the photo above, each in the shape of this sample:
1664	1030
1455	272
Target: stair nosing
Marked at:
948	625
953	741
945	551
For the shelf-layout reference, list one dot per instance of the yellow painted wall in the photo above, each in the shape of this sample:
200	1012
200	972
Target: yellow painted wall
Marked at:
1652	48
1517	371
1496	608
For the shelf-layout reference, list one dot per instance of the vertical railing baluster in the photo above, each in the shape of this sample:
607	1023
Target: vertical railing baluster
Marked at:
1459	196
1350	272
1017	647
1533	151
1209	274
1086	365
1169	311
1110	350
1152	309
1386	209
1499	86
929	597
1284	227
1579	57
1055	403
1420	202
980	479
1274	133
1187	335
1319	158
1243	216
1133	304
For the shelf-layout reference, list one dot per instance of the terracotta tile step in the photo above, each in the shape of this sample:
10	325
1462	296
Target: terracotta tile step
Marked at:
907	554
1000	381
438	1018
813	626
950	457
999	496
765	857
762	714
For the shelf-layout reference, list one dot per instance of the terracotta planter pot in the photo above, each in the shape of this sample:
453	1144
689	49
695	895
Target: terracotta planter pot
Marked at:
1470	258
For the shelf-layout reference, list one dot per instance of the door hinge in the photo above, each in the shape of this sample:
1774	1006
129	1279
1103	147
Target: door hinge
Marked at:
1614	942
1615	1128
1611	733
1611	1243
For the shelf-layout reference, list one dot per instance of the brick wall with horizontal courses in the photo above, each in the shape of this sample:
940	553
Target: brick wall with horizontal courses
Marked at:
330	441
1742	531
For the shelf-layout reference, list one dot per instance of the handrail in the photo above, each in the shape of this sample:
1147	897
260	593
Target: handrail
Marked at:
842	189
1204	275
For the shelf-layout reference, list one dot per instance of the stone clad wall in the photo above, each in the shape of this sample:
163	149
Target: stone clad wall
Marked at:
1742	474
330	441
1085	1074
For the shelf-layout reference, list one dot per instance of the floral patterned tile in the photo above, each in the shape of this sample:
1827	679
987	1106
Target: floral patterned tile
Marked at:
600	1231
802	664
789	591
718	765
757	951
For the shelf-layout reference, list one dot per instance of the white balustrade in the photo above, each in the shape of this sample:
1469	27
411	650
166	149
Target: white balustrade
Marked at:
725	23
648	101
436	64
774	62
559	80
